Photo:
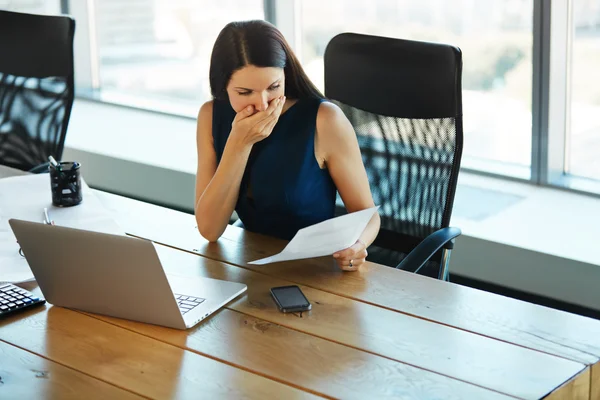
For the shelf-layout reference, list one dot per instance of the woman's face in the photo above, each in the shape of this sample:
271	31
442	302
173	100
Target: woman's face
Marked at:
255	86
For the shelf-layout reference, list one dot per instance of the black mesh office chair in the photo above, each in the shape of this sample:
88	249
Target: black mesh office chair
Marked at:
36	88
404	100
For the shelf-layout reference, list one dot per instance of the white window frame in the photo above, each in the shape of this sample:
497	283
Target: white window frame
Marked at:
86	47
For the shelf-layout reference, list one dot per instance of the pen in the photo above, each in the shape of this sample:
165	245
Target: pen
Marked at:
47	219
54	163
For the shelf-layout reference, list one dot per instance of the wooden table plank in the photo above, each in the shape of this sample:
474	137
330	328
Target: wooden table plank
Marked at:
530	325
577	388
24	375
472	358
307	361
595	382
132	361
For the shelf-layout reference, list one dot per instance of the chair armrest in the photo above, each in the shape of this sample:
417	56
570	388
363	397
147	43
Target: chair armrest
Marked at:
428	247
40	168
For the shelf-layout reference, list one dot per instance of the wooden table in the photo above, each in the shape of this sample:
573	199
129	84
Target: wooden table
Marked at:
377	333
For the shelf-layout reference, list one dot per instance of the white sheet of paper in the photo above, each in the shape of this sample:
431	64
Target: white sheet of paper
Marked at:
24	197
324	238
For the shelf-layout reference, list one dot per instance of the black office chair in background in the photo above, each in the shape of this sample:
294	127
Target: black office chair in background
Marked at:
36	88
404	101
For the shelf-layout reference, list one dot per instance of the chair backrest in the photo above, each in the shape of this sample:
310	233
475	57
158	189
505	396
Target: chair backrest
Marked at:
403	99
36	87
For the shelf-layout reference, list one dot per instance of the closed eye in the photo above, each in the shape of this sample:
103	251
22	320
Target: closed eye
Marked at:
271	88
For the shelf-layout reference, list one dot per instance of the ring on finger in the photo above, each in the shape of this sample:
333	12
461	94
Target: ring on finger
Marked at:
350	265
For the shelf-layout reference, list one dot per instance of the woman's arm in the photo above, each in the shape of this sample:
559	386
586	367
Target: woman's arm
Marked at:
338	144
217	188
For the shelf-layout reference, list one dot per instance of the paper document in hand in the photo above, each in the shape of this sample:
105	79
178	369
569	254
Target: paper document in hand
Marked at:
324	238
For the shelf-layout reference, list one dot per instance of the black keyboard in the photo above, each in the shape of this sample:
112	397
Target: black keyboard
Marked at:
13	298
187	303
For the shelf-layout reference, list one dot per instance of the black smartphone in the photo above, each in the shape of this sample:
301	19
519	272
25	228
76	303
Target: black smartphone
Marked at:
290	299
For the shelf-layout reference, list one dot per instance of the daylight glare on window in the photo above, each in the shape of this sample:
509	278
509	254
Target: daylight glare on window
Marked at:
495	37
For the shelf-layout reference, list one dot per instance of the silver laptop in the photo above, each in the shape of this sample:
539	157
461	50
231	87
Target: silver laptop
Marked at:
114	275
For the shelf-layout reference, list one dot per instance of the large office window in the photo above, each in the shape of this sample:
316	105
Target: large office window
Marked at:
31	6
583	151
160	49
495	37
155	54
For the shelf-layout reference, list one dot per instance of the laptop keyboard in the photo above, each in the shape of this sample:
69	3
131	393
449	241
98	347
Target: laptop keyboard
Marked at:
187	303
13	298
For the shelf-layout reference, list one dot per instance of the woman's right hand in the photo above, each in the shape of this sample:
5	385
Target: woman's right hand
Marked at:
249	128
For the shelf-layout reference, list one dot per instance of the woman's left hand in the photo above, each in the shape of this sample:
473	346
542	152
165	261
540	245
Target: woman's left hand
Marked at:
353	257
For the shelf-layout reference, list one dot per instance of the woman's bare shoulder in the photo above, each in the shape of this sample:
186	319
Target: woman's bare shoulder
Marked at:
332	123
206	110
205	114
329	112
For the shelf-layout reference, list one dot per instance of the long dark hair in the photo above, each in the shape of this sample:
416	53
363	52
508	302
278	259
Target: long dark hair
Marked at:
257	43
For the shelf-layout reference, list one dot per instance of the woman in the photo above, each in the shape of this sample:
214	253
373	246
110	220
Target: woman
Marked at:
271	147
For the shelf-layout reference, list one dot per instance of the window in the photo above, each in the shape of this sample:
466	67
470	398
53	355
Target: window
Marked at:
159	50
530	98
584	135
31	6
495	37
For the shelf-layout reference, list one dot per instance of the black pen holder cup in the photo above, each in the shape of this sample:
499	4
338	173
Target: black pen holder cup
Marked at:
65	184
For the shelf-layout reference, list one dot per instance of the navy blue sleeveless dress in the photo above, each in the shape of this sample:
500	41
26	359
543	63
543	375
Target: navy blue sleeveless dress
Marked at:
283	188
